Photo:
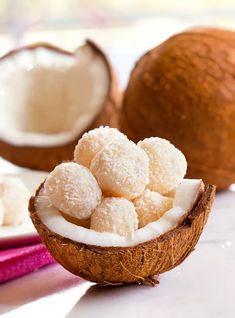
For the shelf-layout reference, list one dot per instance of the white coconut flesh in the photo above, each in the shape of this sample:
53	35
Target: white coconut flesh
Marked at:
48	97
187	194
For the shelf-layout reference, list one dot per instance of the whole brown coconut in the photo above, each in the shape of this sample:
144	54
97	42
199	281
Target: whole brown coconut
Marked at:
184	90
36	92
114	265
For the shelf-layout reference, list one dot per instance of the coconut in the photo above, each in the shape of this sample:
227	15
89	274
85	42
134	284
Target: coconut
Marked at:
183	91
113	259
49	97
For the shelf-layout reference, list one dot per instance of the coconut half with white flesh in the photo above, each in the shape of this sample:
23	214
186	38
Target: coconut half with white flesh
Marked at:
49	97
110	258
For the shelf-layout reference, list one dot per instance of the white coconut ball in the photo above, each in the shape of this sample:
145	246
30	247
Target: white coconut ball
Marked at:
115	215
121	169
167	164
150	206
170	194
14	196
73	189
94	141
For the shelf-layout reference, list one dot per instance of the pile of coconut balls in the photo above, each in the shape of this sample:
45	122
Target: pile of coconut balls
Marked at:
115	184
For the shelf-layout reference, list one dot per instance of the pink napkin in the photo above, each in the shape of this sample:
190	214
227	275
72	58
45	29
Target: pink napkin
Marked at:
18	241
19	261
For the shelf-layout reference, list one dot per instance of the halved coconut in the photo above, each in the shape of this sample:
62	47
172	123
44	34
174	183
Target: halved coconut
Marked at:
110	258
49	97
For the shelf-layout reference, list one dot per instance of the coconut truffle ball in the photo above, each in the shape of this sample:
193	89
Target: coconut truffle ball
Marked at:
121	169
14	196
115	215
73	189
94	141
170	194
167	164
150	206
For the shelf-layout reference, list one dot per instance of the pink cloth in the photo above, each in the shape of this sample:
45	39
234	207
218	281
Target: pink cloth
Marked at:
22	260
17	241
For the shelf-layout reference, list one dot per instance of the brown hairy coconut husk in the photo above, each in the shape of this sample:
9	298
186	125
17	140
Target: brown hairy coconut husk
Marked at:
114	265
184	90
47	156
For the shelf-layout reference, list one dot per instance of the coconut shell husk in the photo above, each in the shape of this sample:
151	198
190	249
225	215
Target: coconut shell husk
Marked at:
183	91
46	158
135	264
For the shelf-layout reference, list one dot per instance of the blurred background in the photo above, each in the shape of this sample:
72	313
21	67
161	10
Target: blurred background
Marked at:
123	28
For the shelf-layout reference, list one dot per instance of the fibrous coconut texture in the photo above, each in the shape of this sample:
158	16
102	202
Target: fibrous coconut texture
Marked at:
183	91
49	97
138	263
120	201
14	197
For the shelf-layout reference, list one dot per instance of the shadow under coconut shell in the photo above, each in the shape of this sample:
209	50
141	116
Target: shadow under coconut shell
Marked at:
46	281
111	301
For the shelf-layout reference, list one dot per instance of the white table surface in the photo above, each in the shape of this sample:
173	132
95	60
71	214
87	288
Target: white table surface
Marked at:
203	286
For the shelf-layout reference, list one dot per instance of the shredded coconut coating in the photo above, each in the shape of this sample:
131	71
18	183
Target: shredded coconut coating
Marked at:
73	189
115	215
121	169
150	206
94	141
14	198
167	164
171	193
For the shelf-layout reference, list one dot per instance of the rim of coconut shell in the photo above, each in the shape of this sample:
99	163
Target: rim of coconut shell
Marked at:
45	158
135	264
